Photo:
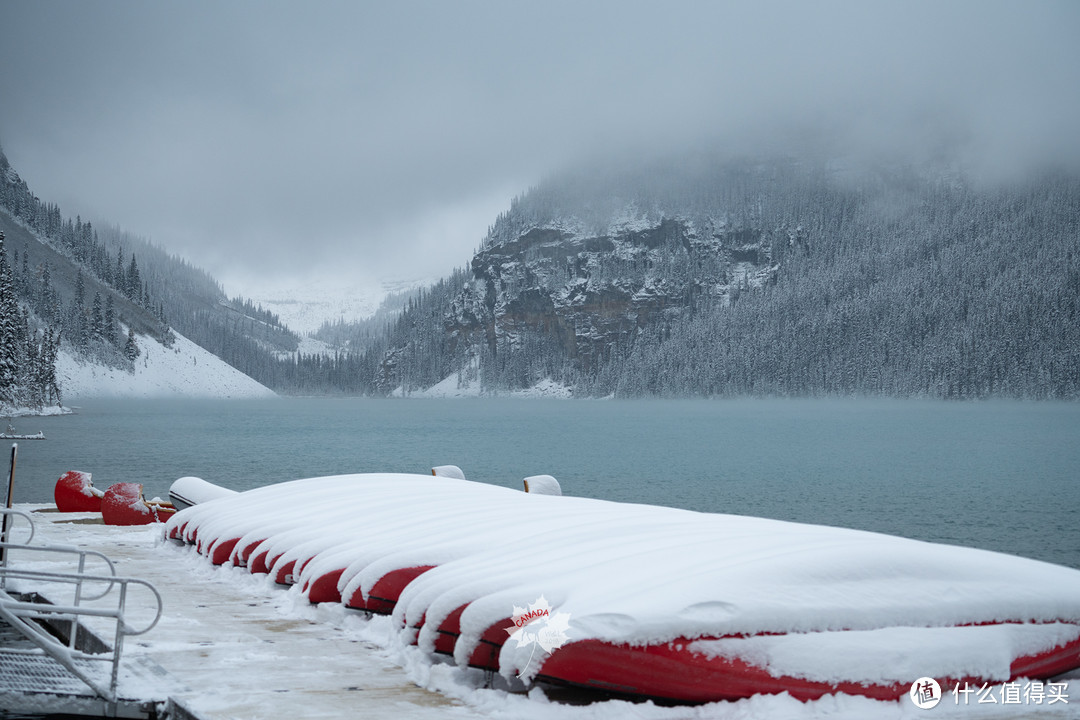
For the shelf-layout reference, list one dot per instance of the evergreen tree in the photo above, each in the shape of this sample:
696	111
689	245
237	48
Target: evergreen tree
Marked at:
119	280
45	292
80	289
30	371
131	348
97	319
110	319
78	328
23	282
9	313
48	386
132	282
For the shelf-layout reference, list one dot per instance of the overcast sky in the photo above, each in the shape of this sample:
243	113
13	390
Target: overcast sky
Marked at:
271	142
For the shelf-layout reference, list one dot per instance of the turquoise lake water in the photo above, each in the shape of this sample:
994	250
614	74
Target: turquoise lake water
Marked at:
998	475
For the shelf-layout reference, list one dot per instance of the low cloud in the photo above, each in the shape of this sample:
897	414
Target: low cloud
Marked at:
338	138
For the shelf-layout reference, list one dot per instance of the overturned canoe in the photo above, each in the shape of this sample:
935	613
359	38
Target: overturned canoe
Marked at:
188	491
649	601
75	492
123	504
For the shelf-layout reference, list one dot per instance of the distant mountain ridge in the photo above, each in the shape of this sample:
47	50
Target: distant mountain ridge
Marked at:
700	276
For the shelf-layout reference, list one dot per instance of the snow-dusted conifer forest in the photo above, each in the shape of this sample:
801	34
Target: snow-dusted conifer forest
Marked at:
695	276
780	277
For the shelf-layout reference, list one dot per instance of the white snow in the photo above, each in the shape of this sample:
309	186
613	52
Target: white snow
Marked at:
631	219
239	646
456	385
305	307
311	346
641	574
184	370
895	654
546	388
14	412
193	490
461	385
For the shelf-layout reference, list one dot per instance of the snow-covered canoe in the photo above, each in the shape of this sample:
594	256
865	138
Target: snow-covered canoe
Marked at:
645	600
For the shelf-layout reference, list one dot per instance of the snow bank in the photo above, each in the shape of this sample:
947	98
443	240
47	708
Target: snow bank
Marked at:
645	575
546	388
458	386
9	411
184	370
452	386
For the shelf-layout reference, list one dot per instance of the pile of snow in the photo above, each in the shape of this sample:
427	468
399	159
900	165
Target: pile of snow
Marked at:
12	411
459	385
546	388
184	370
646	575
456	385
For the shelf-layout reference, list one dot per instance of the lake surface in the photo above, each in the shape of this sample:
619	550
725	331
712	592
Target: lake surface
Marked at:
999	475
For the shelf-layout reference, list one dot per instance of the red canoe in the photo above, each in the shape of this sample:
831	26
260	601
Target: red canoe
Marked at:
123	504
75	493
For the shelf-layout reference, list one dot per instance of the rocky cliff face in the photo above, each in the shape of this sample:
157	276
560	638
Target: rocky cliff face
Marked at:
587	291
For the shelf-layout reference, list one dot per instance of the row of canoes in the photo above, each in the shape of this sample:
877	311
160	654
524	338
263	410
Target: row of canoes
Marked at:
432	553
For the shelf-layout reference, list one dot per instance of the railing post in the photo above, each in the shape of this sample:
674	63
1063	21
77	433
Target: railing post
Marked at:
77	600
10	501
118	645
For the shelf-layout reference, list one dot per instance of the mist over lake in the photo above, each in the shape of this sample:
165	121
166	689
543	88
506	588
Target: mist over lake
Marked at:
995	475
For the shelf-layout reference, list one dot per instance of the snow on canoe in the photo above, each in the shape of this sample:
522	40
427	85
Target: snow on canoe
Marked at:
74	492
123	504
188	491
649	601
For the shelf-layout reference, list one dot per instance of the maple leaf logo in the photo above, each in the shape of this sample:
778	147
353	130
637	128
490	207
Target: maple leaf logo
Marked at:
539	625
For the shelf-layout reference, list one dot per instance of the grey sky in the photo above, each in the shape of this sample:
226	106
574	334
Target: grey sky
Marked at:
267	141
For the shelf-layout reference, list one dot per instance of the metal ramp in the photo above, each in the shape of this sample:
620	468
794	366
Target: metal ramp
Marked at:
52	659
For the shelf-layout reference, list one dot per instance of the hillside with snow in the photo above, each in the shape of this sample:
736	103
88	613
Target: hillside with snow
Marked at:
183	370
775	276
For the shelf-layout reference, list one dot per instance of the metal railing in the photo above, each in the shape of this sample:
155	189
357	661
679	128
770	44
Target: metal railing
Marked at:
38	621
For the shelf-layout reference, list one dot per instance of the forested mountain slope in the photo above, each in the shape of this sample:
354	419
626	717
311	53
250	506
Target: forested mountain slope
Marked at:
73	283
696	276
778	277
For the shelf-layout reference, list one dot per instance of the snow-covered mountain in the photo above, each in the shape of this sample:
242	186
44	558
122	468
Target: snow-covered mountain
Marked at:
305	307
783	277
591	289
183	370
